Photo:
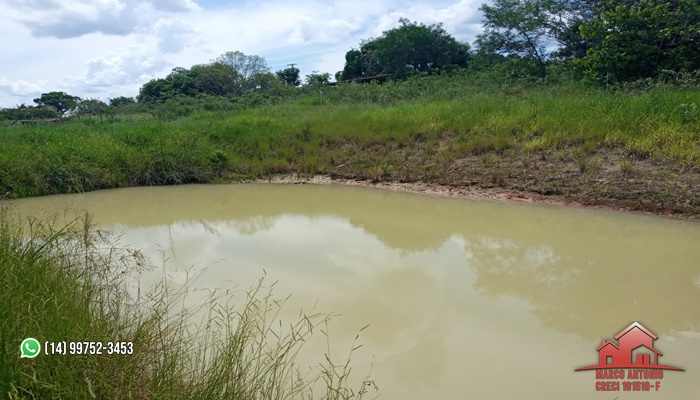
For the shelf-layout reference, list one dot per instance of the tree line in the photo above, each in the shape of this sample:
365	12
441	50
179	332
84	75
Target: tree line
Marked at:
596	41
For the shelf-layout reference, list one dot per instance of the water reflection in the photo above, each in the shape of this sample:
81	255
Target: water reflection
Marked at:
460	295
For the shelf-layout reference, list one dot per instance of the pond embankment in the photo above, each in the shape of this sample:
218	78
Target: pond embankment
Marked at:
628	151
604	180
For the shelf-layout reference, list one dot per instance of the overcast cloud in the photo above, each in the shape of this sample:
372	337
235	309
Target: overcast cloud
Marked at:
108	48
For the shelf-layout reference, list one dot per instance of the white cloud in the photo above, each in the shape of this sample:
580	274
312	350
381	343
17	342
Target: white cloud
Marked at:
21	87
122	69
78	19
102	48
175	5
173	35
35	4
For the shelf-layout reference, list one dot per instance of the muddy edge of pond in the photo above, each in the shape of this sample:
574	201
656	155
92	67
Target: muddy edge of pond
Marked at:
604	179
493	193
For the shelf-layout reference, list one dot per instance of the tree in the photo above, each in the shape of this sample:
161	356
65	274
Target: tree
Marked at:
409	49
290	76
92	107
318	79
565	18
642	39
243	68
413	48
515	27
121	101
122	104
267	83
354	64
182	82
536	31
60	100
215	78
155	90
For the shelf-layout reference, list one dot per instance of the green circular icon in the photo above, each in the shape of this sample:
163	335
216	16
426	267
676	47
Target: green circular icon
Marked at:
30	348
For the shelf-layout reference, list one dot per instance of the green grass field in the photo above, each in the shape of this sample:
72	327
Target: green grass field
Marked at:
661	125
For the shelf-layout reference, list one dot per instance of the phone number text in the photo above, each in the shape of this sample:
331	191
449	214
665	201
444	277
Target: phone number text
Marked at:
89	348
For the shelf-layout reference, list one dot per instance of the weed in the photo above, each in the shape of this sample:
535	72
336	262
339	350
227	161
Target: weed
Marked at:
498	179
626	166
185	144
76	279
689	113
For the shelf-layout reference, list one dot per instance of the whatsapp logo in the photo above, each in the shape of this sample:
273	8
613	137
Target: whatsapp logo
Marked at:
30	348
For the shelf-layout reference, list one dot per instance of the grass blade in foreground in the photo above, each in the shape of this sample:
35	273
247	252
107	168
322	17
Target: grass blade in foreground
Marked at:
71	284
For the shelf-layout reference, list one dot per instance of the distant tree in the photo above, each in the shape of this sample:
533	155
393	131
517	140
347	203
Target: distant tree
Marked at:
268	83
413	48
642	39
317	79
61	101
155	90
121	101
24	112
564	22
181	82
215	78
233	74
354	66
92	107
409	49
516	27
122	104
290	76
243	67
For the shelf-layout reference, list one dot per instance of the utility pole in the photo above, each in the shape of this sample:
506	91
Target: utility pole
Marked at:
292	65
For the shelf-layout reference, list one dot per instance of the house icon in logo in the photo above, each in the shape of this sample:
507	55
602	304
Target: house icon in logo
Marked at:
635	349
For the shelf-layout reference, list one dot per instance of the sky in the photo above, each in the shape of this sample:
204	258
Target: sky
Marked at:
108	48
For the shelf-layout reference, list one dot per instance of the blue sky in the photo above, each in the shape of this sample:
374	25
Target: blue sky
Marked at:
108	48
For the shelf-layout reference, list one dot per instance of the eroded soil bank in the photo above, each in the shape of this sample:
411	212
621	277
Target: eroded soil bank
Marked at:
602	180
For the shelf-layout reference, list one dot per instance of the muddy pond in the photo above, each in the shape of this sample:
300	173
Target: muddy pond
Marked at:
463	298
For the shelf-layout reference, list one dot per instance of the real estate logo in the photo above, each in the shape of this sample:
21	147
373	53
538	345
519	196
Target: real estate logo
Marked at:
631	364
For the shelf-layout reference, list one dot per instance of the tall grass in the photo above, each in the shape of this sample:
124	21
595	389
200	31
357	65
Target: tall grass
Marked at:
360	125
70	284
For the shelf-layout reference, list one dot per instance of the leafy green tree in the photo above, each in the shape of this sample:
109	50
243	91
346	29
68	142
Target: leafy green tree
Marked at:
356	64
641	39
122	104
413	48
92	107
24	112
121	101
155	90
317	79
233	74
290	76
267	83
182	82
243	68
215	78
536	31
515	27
565	18
61	101
409	49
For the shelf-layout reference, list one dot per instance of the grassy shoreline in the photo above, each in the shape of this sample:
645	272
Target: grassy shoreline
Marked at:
68	284
632	150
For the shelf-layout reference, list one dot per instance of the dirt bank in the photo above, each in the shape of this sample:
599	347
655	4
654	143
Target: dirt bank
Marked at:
602	180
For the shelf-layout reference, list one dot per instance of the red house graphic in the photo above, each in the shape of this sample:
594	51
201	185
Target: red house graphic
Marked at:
635	349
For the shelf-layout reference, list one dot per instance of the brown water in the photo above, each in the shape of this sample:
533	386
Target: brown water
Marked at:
465	299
